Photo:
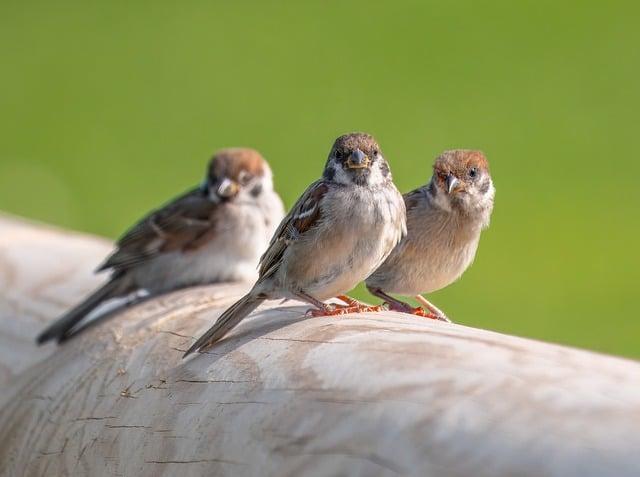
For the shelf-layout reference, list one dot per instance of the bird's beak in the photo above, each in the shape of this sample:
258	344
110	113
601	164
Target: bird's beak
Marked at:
452	183
227	188
358	160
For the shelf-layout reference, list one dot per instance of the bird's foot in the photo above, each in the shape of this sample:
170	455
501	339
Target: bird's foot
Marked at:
327	310
335	309
435	311
418	311
355	306
360	308
427	314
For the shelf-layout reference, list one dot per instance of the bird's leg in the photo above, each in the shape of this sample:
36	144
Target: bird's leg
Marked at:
437	312
397	305
329	309
355	306
321	309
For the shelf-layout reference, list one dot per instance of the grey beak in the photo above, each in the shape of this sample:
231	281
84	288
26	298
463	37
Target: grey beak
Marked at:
358	160
227	188
358	157
452	181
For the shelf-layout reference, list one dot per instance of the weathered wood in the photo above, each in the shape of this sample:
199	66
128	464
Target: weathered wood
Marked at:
43	271
371	394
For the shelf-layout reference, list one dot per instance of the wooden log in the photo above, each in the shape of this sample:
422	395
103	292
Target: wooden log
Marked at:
43	271
284	394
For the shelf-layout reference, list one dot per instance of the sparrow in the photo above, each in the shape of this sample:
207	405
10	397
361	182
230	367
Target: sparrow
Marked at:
444	222
215	232
339	231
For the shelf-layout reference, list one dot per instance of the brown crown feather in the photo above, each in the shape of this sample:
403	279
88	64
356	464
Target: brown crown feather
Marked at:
230	162
357	140
459	161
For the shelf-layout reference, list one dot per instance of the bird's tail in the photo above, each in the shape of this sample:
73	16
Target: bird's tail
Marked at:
229	319
59	328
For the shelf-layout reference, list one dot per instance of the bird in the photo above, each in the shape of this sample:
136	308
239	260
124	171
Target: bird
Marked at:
215	232
339	231
445	218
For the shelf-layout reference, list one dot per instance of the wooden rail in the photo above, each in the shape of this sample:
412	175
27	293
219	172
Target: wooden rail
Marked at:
284	394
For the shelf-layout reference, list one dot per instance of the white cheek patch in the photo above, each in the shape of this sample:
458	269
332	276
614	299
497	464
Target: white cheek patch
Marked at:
486	199
254	190
485	204
376	177
267	180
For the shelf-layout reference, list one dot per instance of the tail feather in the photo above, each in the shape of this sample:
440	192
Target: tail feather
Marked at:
59	328
228	320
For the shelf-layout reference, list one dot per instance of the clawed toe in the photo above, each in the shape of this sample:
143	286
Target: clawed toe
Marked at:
427	314
418	311
335	310
370	309
355	306
332	310
424	313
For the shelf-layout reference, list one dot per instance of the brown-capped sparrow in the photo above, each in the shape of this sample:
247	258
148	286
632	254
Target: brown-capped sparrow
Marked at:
444	221
340	230
213	233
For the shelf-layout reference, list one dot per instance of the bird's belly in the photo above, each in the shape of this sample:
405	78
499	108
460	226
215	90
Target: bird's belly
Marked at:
424	272
431	281
231	259
340	259
338	279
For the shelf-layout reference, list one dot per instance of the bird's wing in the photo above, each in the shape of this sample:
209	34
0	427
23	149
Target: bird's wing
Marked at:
305	214
186	223
413	198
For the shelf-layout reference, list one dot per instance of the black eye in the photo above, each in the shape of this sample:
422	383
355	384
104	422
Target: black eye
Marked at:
473	172
374	153
338	154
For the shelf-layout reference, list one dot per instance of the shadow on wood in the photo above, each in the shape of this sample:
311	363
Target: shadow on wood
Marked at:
369	394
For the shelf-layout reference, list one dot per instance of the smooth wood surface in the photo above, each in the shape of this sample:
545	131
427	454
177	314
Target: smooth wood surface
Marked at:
43	271
284	394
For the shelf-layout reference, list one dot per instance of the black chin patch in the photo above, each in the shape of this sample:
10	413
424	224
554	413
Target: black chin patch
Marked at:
360	176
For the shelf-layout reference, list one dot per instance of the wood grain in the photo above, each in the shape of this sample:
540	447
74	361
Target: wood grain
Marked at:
284	394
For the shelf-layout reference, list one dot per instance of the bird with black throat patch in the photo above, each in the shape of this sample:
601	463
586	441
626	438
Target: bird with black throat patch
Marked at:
339	231
444	221
213	233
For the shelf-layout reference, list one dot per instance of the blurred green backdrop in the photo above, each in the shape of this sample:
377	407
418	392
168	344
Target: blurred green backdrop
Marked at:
107	109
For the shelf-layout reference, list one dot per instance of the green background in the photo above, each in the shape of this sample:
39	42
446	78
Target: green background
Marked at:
108	109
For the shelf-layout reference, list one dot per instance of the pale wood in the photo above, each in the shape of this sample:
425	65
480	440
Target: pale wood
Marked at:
372	394
43	271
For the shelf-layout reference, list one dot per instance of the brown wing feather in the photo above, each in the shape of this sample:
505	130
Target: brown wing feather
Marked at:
183	224
304	215
412	198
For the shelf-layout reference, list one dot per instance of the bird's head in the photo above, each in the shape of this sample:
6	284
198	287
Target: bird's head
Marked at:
356	158
237	173
462	180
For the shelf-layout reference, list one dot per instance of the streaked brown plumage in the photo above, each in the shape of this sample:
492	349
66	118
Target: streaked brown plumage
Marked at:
213	233
444	221
340	230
